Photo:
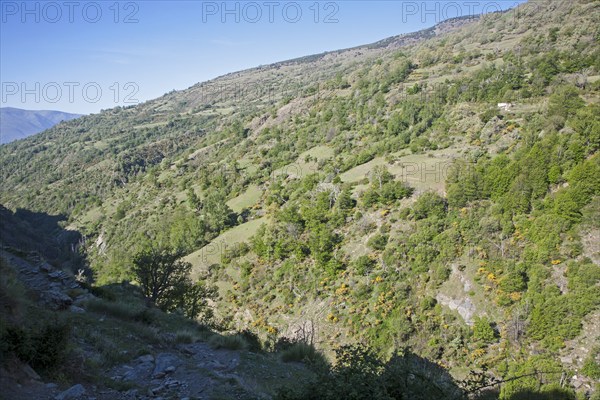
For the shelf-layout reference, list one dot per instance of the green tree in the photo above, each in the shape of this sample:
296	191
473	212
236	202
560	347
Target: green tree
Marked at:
160	272
565	102
217	214
364	264
370	197
586	122
193	300
378	242
429	204
345	200
396	126
566	206
193	200
482	330
322	244
187	230
164	280
536	378
380	175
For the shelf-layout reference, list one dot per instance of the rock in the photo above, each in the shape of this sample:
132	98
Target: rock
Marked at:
170	369
32	272
55	300
51	386
217	365
566	360
82	298
142	369
56	274
156	390
135	374
233	364
464	306
164	361
76	309
171	383
45	267
148	358
31	374
492	128
72	393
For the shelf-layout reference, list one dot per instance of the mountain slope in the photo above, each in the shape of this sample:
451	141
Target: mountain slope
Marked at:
129	351
376	194
16	123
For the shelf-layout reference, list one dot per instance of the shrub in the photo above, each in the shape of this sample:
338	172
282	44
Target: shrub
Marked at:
364	264
302	352
43	347
429	204
229	342
12	293
283	343
539	377
427	303
186	336
145	316
482	330
252	340
378	242
121	310
591	367
359	374
100	291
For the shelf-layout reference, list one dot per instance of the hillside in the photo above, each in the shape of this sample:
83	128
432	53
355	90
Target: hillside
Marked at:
16	123
379	195
86	344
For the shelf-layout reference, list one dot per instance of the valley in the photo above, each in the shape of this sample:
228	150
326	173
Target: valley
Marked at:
362	215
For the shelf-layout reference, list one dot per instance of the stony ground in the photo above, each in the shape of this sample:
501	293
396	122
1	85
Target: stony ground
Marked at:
191	371
169	371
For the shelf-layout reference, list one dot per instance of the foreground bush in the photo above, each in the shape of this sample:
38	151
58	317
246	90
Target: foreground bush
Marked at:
43	346
303	352
232	342
359	374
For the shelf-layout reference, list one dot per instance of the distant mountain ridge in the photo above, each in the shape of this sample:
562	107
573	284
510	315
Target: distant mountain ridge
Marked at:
16	123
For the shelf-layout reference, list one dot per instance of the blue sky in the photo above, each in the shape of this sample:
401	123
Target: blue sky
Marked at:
84	56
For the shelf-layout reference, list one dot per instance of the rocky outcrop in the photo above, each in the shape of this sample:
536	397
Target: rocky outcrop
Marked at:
55	300
54	286
459	300
74	392
464	306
